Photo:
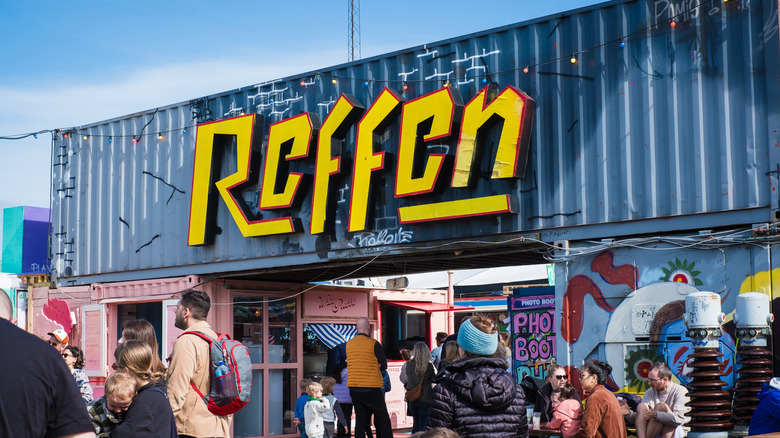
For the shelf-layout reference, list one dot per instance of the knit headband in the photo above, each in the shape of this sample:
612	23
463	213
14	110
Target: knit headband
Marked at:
476	341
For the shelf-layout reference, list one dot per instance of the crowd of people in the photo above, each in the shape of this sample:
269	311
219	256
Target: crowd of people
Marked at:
463	388
49	394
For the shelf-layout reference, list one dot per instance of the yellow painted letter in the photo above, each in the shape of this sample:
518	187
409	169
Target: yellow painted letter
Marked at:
345	112
366	160
295	132
439	108
212	139
516	110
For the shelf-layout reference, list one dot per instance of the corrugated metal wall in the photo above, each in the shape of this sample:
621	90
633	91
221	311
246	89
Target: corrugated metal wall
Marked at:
680	124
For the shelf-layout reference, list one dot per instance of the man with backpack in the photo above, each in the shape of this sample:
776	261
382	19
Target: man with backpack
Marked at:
189	371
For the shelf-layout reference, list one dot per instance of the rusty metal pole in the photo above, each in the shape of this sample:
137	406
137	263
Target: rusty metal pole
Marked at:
450	301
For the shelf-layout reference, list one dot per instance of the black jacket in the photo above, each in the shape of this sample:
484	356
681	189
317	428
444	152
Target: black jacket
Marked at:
149	415
477	398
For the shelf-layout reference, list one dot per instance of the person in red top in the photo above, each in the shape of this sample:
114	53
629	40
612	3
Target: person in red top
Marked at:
603	417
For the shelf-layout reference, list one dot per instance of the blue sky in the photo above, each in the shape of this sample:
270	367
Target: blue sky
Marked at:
68	64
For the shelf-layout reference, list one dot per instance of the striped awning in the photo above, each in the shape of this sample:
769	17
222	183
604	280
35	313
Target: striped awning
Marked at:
333	334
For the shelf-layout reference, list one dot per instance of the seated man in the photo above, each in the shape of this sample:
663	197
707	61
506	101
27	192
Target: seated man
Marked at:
662	411
109	411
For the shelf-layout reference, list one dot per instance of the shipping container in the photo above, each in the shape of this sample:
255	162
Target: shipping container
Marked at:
649	116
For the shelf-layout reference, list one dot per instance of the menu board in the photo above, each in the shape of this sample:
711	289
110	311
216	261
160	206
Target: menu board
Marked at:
93	339
394	399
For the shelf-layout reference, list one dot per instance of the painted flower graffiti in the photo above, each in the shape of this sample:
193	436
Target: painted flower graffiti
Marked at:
681	272
638	363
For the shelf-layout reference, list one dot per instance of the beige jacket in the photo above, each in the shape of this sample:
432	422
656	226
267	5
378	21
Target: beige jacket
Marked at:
190	361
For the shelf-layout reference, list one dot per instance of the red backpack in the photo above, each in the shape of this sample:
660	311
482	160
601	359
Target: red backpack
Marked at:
229	392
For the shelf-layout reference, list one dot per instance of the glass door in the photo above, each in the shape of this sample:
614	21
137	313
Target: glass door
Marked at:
270	329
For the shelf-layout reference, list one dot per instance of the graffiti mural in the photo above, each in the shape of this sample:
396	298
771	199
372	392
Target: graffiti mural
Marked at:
681	272
533	328
625	306
55	314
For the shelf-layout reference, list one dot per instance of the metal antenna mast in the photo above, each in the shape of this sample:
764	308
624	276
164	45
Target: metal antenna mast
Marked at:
353	24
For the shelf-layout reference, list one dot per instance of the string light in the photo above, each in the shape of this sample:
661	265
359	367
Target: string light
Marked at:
35	136
159	136
110	139
446	83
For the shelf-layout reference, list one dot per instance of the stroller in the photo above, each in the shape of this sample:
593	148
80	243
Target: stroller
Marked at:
531	387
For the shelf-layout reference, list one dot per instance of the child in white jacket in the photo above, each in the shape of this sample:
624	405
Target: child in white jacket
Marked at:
313	411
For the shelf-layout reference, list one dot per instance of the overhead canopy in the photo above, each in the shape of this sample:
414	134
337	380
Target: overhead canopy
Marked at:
333	334
428	307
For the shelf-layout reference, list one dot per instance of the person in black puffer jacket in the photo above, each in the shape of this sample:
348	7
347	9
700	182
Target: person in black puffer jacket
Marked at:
476	397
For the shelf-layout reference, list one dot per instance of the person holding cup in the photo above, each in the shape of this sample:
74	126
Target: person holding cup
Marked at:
557	379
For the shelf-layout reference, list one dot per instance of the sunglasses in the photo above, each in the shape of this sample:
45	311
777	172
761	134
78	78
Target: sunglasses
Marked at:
54	344
562	377
66	355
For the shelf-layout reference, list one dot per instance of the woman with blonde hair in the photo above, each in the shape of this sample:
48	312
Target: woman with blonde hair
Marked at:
149	414
419	371
450	354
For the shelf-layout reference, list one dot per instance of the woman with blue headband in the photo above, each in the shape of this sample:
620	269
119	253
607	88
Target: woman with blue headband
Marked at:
476	396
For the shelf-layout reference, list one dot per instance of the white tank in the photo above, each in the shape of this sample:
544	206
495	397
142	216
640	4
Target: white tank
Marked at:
702	310
752	310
